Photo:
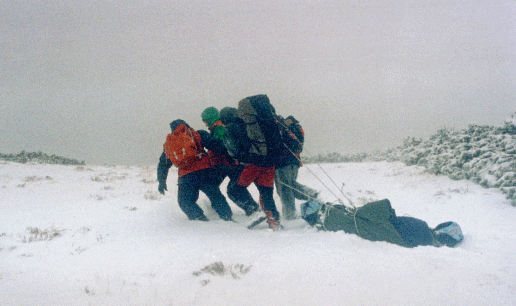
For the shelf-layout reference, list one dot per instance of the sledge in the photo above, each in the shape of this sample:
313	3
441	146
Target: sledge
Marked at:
256	222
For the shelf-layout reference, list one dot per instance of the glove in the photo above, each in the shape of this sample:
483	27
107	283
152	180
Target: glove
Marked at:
162	187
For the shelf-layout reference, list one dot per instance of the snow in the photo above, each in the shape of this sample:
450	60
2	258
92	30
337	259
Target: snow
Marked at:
99	235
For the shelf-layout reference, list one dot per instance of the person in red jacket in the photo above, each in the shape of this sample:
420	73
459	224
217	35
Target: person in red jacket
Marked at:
193	177
263	179
261	174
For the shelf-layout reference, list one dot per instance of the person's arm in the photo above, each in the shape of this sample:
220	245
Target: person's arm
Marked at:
163	167
212	143
218	132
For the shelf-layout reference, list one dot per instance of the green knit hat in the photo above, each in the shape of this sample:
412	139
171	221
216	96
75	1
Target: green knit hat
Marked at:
210	115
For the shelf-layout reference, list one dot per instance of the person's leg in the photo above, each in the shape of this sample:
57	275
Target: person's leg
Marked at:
237	188
249	174
265	184
284	180
218	201
208	185
239	194
302	192
242	198
268	206
267	201
187	195
221	173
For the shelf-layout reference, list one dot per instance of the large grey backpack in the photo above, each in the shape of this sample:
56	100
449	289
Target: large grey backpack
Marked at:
262	129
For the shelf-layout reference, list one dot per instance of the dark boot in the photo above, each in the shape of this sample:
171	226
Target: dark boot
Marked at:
250	208
200	218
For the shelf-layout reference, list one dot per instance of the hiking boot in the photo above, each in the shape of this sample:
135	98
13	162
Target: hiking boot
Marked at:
290	216
200	218
289	213
273	223
315	196
227	218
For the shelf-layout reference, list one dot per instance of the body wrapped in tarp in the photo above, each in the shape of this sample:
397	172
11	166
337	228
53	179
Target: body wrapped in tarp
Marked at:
371	221
377	221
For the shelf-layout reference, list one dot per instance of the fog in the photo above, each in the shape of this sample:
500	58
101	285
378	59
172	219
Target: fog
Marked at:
100	81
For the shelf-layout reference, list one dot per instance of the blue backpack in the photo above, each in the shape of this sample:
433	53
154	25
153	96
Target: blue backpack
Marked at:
448	233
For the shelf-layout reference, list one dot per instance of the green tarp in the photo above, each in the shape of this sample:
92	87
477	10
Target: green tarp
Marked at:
370	221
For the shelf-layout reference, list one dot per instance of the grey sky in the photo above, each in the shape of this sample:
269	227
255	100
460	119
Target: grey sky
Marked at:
100	80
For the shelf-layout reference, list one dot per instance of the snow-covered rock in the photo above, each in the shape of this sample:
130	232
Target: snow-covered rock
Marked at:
483	154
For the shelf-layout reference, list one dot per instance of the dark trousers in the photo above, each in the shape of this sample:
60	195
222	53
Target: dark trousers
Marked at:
415	232
241	197
239	194
189	187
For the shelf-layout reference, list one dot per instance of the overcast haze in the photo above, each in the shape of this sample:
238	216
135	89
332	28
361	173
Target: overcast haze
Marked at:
100	80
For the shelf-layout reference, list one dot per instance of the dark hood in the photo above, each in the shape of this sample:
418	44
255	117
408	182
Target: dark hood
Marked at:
174	124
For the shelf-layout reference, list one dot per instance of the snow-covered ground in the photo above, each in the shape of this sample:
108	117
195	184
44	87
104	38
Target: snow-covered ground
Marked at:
95	235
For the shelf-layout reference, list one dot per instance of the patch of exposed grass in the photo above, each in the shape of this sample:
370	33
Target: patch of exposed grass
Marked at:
151	195
36	234
219	269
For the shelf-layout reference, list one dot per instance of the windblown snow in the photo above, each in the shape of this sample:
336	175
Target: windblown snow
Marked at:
98	235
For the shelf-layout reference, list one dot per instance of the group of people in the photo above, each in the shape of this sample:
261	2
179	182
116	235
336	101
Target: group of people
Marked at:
213	163
206	158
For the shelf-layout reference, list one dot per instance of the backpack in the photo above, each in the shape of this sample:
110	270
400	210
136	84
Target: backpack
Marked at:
235	136
448	233
181	148
292	134
236	141
262	131
296	128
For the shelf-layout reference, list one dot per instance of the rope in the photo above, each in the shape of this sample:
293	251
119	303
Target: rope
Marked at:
434	239
355	219
329	177
326	208
295	189
322	169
